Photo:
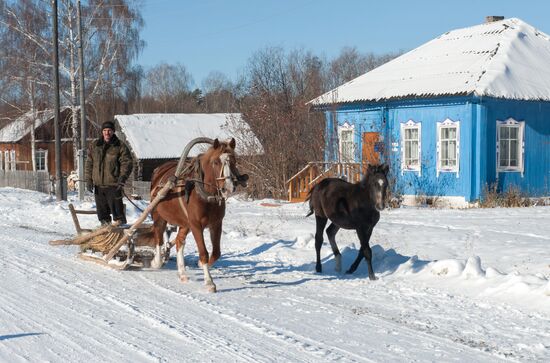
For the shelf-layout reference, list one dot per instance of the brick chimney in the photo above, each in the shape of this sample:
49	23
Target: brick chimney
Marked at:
492	18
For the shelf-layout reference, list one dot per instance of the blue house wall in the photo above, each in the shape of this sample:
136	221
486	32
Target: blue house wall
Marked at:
427	181
535	180
477	143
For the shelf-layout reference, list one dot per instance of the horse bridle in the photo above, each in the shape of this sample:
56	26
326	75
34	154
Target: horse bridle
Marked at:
227	173
228	169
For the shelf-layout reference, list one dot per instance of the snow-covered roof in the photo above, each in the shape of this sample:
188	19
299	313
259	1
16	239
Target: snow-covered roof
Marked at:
504	59
18	128
164	136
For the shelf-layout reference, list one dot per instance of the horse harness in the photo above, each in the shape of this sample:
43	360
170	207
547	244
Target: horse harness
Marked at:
197	181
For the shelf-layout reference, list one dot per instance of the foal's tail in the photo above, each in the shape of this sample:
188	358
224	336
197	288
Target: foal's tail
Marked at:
308	199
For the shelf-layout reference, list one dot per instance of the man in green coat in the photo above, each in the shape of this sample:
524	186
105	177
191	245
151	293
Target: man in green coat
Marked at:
108	166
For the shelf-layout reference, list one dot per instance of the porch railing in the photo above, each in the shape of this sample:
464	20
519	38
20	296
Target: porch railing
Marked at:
302	182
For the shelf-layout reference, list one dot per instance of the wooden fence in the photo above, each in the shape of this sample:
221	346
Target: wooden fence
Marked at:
33	180
41	181
139	188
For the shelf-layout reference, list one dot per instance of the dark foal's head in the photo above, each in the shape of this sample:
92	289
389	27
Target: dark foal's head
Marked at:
222	159
376	181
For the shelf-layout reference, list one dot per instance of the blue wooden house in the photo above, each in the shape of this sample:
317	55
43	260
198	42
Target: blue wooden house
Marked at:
465	111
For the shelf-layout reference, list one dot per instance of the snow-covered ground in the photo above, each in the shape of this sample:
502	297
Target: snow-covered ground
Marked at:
454	285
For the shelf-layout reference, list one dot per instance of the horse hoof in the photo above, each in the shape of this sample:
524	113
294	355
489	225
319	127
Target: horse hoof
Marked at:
373	278
211	288
184	278
318	269
156	265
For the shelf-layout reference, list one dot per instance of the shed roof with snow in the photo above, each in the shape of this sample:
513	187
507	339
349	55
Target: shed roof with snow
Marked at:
502	59
164	136
21	126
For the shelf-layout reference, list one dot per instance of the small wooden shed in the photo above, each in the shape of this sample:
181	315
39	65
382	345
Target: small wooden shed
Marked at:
160	137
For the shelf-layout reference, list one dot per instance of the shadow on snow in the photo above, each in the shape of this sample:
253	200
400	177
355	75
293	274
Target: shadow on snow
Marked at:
13	336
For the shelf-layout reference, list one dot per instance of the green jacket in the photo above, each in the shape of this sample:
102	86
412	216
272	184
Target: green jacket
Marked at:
108	164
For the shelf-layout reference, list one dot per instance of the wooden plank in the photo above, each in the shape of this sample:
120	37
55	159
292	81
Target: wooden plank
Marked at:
75	219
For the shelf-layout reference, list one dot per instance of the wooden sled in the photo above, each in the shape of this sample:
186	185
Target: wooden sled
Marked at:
130	248
125	246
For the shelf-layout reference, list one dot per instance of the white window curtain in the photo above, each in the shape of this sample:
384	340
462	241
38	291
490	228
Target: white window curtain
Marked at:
411	146
346	135
510	145
448	147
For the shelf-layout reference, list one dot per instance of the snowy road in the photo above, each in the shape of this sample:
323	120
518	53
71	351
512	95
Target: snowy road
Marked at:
271	306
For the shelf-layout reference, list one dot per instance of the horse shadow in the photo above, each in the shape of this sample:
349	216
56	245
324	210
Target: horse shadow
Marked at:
385	262
256	273
14	336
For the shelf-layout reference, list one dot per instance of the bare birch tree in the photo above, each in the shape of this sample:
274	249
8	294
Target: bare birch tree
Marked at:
111	43
167	88
219	93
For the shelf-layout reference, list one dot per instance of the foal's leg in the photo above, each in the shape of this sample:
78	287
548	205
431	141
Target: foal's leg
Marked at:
159	225
331	233
365	251
320	223
203	257
180	245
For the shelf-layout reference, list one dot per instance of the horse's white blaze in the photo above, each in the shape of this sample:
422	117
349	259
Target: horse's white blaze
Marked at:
225	173
157	260
379	195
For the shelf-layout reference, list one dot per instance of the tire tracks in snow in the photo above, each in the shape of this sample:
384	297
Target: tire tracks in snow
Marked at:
268	330
414	333
185	333
466	229
60	322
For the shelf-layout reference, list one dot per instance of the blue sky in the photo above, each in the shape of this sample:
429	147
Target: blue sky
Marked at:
221	35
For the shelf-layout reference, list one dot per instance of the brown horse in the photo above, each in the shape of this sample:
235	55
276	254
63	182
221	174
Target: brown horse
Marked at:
196	202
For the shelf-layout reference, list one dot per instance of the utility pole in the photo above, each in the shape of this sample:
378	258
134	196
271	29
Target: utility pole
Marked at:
58	177
82	150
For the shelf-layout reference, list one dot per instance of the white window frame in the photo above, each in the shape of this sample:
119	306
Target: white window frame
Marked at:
408	126
348	146
520	125
13	160
448	124
37	154
1	160
7	159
